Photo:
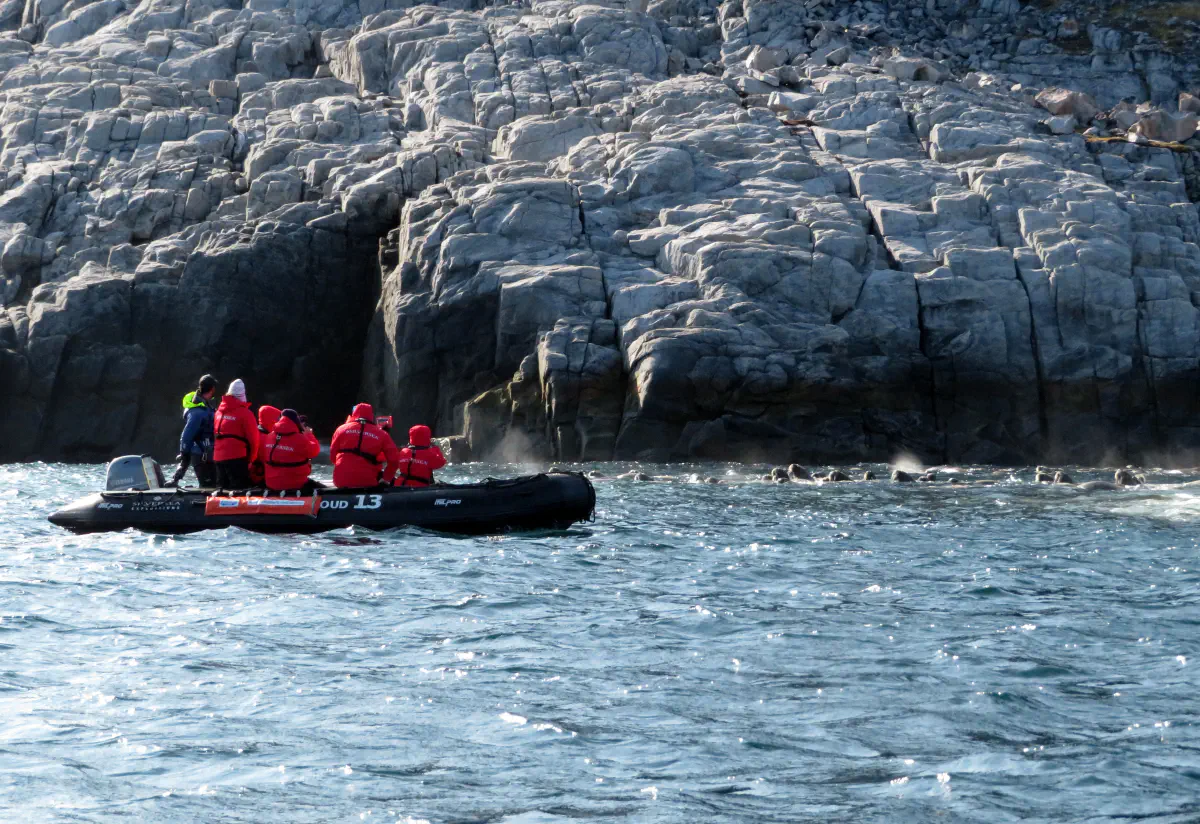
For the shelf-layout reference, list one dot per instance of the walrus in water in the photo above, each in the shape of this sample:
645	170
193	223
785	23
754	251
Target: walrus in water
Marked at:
1121	479
1061	477
798	473
836	475
1094	486
868	475
1125	477
901	477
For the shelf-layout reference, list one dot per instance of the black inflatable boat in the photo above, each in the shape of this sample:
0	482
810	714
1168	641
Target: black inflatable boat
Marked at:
547	501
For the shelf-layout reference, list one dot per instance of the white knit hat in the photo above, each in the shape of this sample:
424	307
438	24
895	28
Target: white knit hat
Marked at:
238	390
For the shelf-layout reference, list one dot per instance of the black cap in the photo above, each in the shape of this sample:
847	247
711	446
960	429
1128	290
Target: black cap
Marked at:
207	383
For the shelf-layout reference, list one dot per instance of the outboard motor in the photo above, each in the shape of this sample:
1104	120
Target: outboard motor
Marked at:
134	472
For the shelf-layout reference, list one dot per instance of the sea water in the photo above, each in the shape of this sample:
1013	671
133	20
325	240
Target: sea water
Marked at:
742	651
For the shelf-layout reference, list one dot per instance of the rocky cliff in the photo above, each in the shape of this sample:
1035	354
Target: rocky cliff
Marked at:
798	230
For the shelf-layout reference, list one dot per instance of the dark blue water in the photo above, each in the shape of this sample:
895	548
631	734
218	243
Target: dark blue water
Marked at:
742	652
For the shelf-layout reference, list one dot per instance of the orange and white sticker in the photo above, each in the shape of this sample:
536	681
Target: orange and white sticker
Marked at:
255	505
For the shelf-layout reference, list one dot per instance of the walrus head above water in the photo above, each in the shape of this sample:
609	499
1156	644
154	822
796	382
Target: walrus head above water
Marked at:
1125	477
798	473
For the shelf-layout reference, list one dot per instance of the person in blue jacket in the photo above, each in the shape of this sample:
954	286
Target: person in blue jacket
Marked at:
196	442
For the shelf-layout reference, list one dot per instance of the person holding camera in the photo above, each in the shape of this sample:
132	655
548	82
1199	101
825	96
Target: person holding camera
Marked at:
363	453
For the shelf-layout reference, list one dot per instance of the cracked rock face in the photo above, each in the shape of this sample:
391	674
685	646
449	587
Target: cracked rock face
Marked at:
765	229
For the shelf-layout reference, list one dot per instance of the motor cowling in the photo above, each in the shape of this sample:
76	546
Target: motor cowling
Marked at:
134	472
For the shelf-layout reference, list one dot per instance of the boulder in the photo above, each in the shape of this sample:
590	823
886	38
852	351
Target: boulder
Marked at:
914	69
542	139
838	56
1062	124
1169	128
1064	102
1124	115
763	59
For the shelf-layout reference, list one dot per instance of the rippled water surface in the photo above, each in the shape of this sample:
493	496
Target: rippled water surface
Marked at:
735	652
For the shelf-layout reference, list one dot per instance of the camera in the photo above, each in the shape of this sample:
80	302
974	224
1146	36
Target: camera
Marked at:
384	422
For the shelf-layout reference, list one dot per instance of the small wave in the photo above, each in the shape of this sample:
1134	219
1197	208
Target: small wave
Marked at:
1183	507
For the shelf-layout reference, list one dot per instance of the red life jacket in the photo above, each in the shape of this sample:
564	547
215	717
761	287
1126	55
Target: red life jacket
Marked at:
235	432
419	459
268	416
289	453
362	453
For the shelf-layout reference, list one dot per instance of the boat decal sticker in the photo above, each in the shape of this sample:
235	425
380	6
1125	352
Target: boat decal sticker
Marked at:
255	505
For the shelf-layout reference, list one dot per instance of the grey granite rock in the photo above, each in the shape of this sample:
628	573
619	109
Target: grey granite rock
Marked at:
757	230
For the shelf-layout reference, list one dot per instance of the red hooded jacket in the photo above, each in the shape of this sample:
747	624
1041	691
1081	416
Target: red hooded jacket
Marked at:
235	432
268	416
418	460
288	452
361	451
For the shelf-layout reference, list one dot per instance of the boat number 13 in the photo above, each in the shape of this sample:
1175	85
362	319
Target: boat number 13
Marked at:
368	501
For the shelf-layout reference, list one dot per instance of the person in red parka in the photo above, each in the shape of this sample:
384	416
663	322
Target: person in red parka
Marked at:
235	438
288	453
363	454
268	416
419	459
